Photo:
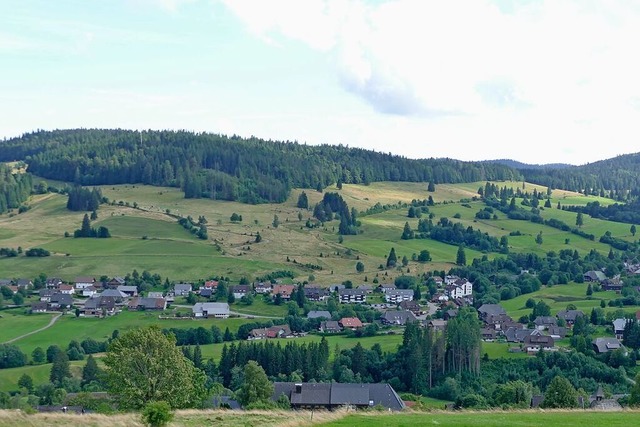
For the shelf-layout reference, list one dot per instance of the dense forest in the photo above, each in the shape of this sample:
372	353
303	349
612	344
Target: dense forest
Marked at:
219	167
617	178
14	188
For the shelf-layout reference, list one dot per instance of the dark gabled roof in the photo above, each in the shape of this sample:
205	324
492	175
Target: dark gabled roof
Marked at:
313	394
351	292
491	310
545	320
350	394
569	315
336	394
62	299
399	317
386	396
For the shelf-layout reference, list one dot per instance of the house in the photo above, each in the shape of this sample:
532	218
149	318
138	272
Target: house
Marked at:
618	327
352	296
82	282
569	316
606	344
387	287
277	331
210	284
412	306
614	284
350	323
397	317
557	332
330	327
140	303
182	289
115	282
450	314
534	343
487	310
263	288
488	334
155	295
318	314
438	281
450	279
118	296
53	283
129	291
461	288
211	309
594	276
6	282
514	334
39	307
398	295
338	395
66	289
89	292
285	291
437	325
99	306
45	294
316	294
544	322
60	301
366	288
24	283
206	293
240	291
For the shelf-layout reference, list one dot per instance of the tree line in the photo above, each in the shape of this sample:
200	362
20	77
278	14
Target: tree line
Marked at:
15	188
215	166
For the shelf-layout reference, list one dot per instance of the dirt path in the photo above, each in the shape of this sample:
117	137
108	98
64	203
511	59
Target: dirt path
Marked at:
50	324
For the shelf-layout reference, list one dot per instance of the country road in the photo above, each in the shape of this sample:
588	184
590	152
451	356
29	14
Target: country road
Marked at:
50	324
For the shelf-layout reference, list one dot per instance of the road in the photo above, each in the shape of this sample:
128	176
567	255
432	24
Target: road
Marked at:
50	324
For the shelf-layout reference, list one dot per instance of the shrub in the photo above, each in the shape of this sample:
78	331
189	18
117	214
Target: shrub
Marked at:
157	414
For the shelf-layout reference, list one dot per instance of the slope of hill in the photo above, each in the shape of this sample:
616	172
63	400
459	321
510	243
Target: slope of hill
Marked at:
520	165
220	167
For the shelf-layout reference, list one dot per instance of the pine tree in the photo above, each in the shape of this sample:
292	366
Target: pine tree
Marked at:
461	257
60	368
90	371
392	259
579	219
197	357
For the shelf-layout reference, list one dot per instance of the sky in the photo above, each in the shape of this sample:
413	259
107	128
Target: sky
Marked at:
536	81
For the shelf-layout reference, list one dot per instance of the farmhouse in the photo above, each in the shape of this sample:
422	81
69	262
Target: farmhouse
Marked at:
89	291
66	289
318	314
351	323
398	317
115	282
278	331
569	316
140	303
99	306
39	307
211	309
594	276
239	291
182	289
285	291
606	344
336	395
263	288
53	283
330	327
315	293
618	327
130	291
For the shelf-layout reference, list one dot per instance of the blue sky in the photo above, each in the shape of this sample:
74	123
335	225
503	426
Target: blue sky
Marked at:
530	80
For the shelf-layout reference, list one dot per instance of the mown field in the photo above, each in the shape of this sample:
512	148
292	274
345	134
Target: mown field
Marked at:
491	419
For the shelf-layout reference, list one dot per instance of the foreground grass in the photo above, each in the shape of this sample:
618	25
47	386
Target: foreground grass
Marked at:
193	418
187	418
491	419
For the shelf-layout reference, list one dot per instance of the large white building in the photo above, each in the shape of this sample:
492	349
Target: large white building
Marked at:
211	309
459	289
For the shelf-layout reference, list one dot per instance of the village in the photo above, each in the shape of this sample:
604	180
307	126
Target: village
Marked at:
379	307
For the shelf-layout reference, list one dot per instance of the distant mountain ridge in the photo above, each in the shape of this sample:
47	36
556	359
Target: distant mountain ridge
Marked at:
520	165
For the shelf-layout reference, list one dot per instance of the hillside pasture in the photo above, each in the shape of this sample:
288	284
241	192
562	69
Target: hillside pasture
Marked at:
14	323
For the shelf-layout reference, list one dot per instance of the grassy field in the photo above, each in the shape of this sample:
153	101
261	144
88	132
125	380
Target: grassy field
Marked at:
491	419
69	328
39	373
13	323
172	252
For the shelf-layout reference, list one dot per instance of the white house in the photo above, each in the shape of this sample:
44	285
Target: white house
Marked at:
459	289
211	309
66	289
84	282
89	291
182	289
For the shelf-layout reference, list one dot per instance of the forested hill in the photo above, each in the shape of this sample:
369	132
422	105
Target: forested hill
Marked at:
14	188
519	165
618	178
220	167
